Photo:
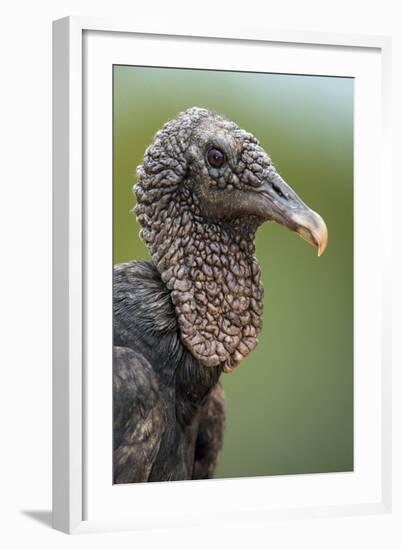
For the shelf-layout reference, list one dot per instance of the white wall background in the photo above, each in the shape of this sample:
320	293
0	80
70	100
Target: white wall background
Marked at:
25	229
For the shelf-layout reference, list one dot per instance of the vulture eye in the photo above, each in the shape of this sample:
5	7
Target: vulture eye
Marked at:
215	157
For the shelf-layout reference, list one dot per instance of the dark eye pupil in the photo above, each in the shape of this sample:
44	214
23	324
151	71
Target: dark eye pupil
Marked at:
215	157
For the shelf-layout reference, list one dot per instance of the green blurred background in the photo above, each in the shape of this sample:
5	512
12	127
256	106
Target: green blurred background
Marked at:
290	404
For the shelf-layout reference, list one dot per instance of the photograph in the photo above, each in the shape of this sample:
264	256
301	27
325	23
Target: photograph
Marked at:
233	343
199	293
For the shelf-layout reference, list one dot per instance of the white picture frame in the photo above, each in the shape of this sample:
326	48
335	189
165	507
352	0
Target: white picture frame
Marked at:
83	49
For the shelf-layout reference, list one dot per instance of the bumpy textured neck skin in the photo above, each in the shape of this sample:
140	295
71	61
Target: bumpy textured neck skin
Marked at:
214	281
207	264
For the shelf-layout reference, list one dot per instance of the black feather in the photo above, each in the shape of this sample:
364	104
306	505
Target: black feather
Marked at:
168	408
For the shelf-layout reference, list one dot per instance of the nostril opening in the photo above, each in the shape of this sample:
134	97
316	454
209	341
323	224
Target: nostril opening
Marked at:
278	191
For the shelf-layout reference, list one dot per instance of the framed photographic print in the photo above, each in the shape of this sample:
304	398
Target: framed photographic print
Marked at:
208	362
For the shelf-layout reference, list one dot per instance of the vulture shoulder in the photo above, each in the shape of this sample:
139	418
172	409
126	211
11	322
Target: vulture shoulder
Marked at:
158	385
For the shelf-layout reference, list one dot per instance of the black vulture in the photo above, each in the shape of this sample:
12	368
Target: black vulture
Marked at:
193	311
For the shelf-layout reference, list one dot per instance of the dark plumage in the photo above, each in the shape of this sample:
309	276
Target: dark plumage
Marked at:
195	310
168	409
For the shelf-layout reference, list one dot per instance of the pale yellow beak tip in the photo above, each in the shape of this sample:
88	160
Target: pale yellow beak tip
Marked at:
323	239
313	229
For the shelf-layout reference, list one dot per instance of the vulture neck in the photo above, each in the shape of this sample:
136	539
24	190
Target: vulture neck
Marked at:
214	279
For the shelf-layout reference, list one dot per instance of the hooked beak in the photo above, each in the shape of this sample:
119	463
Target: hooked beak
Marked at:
312	228
279	203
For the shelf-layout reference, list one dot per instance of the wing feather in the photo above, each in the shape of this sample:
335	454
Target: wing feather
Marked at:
139	416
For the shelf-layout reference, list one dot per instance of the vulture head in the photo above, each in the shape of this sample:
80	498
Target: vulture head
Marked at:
204	188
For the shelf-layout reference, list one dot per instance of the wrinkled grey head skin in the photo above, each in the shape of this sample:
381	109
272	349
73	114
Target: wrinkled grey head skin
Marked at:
204	188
